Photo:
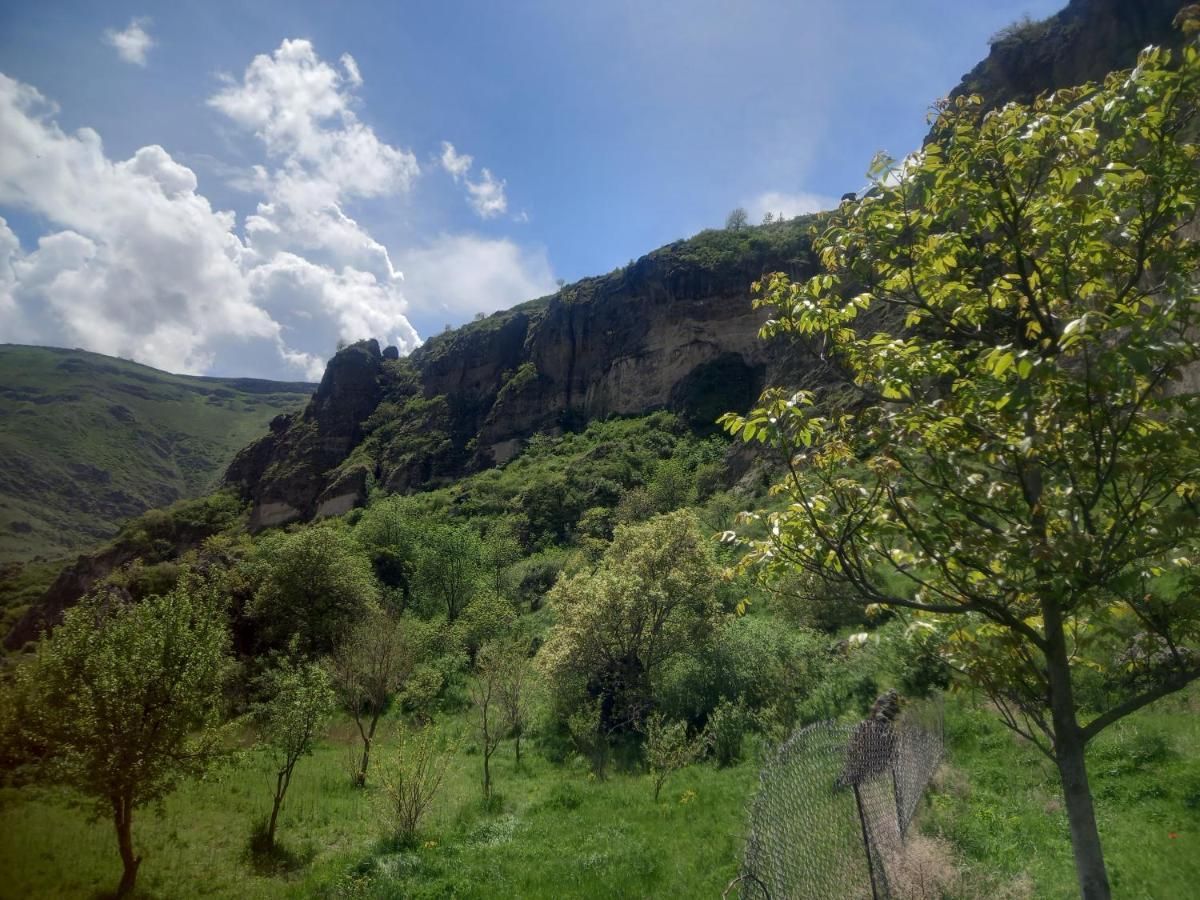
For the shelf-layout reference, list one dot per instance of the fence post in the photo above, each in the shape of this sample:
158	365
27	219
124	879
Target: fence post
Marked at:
900	823
862	821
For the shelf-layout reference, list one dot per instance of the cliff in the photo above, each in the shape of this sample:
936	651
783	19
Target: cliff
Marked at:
673	330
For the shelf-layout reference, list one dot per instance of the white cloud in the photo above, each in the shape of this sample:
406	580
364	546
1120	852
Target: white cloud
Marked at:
463	274
457	164
351	67
133	43
485	195
138	264
787	205
135	262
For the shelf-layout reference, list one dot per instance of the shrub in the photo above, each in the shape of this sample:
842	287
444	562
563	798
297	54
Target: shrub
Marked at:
727	726
411	779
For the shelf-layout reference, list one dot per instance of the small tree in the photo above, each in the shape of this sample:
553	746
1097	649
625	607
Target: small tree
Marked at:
313	585
651	598
299	701
501	549
125	700
489	716
513	672
737	219
668	749
369	666
450	566
412	779
390	532
586	727
1020	462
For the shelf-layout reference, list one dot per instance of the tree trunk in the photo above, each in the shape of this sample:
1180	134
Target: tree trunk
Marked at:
281	786
123	819
518	745
368	738
1069	756
487	775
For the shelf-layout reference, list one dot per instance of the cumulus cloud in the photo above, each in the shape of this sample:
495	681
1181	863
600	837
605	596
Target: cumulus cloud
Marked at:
464	274
485	194
139	264
787	205
133	43
136	262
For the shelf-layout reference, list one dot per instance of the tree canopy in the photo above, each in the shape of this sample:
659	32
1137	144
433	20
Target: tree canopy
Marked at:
1014	313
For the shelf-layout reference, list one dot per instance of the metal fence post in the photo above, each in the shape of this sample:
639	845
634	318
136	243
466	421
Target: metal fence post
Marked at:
862	821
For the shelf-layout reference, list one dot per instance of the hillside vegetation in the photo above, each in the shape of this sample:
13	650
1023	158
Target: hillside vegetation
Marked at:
89	440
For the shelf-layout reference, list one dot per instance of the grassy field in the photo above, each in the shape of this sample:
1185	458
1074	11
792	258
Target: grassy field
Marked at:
997	805
556	832
90	440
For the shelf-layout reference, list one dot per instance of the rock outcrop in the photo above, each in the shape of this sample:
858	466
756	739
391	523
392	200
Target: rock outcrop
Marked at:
673	330
1083	42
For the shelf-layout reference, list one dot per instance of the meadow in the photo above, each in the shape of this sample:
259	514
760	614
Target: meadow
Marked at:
553	830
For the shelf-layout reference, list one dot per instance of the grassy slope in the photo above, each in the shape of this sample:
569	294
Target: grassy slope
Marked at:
89	440
998	805
558	833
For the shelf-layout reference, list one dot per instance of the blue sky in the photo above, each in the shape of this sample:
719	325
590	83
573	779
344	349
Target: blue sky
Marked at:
596	132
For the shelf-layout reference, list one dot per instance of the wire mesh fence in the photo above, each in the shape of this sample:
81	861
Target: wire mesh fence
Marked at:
834	803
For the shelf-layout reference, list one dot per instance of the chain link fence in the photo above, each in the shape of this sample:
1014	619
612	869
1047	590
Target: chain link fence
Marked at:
834	803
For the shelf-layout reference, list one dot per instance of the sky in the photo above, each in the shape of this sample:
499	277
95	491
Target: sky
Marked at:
233	188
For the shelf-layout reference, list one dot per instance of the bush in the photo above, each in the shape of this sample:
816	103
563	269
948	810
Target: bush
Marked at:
727	726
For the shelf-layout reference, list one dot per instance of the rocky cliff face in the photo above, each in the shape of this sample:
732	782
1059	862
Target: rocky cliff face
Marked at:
673	330
1083	42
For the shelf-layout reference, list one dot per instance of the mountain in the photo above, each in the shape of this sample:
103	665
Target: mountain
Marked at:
89	440
673	330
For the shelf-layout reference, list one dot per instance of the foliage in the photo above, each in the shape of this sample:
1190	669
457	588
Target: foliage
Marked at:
668	749
651	599
490	724
299	698
727	727
411	780
390	532
1023	453
125	701
450	566
369	665
312	585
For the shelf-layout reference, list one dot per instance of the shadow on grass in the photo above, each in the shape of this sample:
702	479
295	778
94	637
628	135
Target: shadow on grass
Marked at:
266	858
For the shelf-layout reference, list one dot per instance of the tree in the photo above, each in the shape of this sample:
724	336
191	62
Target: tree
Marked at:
369	665
125	700
450	566
412	779
737	219
313	585
390	533
668	749
299	700
1020	465
501	549
651	598
512	670
489	723
768	218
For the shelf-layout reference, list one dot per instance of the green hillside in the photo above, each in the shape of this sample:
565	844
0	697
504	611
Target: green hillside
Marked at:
89	440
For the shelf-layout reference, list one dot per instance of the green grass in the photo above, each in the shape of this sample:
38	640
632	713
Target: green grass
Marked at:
999	805
90	440
555	833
